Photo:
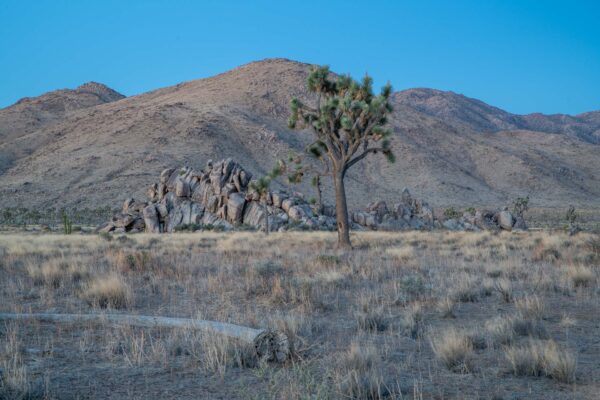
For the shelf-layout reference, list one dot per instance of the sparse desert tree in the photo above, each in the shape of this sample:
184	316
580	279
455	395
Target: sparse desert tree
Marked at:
571	217
349	123
521	205
261	187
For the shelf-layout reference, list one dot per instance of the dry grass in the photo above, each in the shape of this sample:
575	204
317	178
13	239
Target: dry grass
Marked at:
395	318
581	276
108	291
454	349
531	307
358	376
542	358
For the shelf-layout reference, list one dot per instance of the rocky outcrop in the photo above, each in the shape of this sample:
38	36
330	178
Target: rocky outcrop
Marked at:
411	213
219	196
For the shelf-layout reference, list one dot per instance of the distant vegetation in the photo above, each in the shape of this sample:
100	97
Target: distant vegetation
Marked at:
54	217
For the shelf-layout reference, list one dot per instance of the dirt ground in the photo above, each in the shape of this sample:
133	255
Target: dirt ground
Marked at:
412	315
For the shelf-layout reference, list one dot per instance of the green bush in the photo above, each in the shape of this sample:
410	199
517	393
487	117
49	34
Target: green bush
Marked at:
451	212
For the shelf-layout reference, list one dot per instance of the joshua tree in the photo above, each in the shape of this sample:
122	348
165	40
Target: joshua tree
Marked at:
571	217
348	122
520	205
261	186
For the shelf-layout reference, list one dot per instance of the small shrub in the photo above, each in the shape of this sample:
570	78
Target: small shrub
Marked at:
454	349
412	321
504	287
559	364
328	260
465	290
221	353
542	358
446	307
452	213
581	276
56	272
371	318
108	292
526	360
359	376
500	330
530	307
471	210
127	261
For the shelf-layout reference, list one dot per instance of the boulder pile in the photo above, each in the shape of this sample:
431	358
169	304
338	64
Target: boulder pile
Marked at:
219	195
411	213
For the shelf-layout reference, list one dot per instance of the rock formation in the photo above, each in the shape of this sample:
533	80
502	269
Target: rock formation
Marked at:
220	196
411	213
217	196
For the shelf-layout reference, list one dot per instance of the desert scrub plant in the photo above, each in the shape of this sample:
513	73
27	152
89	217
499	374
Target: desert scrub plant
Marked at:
221	353
452	213
454	349
446	307
67	224
526	360
371	317
465	289
328	260
538	358
132	261
580	276
411	322
505	289
530	307
499	331
359	376
558	363
108	291
56	272
403	253
15	382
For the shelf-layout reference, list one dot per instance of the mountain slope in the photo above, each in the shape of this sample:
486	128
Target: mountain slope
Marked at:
477	115
31	114
102	154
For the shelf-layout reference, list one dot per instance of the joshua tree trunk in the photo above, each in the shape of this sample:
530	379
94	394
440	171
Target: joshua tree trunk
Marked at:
341	211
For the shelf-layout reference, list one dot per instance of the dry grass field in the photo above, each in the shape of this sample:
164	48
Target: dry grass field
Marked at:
413	315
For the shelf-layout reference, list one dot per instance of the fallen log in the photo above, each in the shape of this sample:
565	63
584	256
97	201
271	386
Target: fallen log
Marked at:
269	345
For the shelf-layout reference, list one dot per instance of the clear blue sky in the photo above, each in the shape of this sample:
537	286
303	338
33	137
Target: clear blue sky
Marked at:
523	56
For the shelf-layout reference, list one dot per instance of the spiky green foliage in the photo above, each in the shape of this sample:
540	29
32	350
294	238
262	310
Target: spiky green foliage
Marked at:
67	224
520	205
349	120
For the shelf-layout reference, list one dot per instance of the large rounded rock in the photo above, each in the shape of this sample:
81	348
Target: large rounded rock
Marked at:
296	213
506	220
151	219
182	188
235	208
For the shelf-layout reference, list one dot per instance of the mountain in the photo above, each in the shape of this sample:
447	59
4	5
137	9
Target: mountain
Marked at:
450	150
477	115
31	114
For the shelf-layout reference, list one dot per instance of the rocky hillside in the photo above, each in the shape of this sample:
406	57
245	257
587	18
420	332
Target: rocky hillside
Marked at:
450	149
31	114
472	113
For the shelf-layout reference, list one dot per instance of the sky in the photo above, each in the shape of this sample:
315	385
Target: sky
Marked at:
522	56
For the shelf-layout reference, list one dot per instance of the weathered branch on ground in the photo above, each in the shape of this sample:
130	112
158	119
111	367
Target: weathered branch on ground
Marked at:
269	345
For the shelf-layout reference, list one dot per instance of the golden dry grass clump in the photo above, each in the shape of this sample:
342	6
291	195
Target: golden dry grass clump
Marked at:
108	291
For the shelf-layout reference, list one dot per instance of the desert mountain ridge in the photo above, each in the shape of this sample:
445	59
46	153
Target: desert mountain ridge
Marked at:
92	146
